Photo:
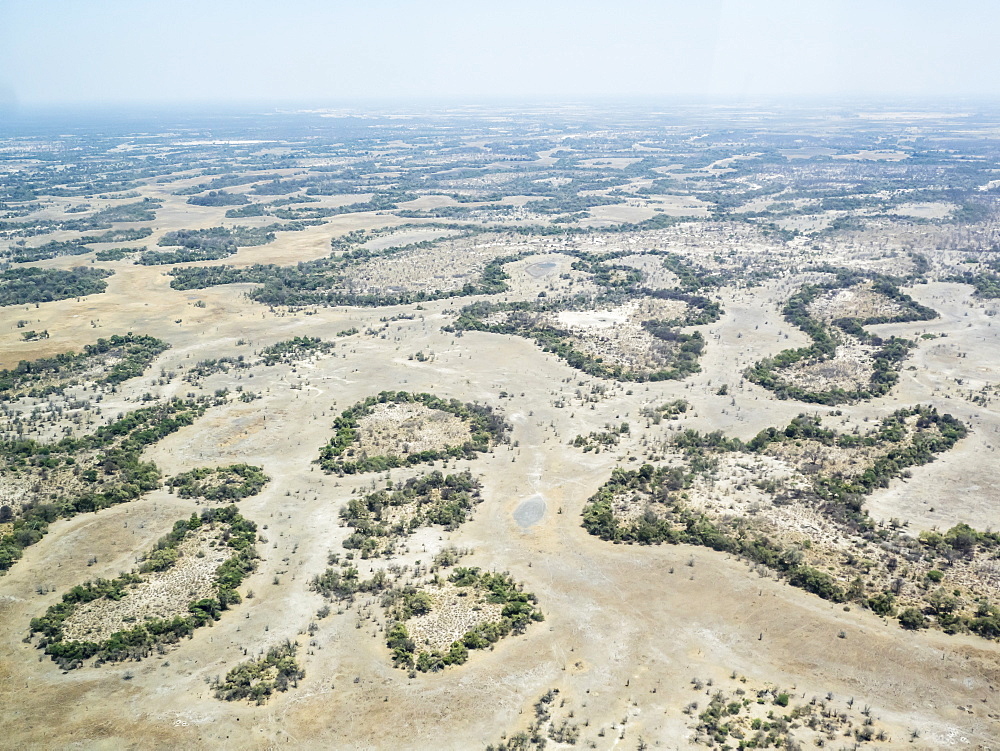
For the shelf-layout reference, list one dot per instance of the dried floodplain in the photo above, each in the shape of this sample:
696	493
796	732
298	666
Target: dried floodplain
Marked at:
471	599
161	596
394	428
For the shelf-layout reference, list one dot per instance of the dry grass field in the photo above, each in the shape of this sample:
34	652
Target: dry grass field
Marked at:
401	429
162	595
639	640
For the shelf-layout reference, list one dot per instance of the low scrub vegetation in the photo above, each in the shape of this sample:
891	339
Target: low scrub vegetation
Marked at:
220	484
86	473
485	429
848	382
225	527
256	680
379	520
517	612
779	500
128	357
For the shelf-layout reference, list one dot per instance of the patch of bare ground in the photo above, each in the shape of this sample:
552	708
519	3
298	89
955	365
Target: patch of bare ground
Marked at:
615	334
552	273
609	215
850	368
897	264
162	595
398	429
859	301
742	487
446	266
383	240
761	492
541	271
654	275
454	612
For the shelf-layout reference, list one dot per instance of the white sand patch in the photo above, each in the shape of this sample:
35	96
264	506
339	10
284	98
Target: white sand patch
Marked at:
593	319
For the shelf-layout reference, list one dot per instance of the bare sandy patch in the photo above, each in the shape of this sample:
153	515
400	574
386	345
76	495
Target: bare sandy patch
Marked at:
455	612
654	275
859	301
618	213
873	155
679	205
850	368
617	334
162	595
399	428
933	210
620	162
592	319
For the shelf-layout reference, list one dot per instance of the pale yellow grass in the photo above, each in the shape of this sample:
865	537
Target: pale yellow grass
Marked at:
406	428
456	610
163	594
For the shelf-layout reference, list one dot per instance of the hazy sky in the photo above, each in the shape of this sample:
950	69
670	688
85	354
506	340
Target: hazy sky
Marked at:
175	51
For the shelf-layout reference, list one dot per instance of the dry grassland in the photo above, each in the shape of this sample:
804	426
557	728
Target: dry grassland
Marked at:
162	595
455	611
627	627
398	429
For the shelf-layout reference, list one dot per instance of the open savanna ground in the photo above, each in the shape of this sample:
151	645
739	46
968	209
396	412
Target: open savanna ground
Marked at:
422	574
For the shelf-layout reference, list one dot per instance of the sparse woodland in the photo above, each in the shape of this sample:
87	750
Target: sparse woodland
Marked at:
343	429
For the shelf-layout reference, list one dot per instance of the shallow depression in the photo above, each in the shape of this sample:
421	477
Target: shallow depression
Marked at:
530	511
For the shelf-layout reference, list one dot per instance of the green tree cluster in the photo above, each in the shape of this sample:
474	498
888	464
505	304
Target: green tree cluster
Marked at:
231	483
28	285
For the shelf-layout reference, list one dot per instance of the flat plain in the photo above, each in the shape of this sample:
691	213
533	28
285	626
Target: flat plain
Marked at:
725	387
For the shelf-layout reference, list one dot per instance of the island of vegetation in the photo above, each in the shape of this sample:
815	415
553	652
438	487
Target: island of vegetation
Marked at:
194	571
397	428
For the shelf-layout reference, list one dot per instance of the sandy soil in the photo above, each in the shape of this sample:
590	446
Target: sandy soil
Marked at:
626	627
859	301
456	611
400	429
162	595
